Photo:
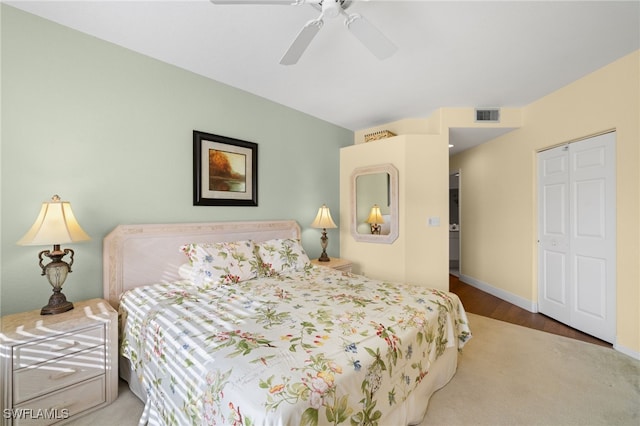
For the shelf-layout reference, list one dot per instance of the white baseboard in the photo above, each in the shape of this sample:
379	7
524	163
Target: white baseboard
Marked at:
527	305
521	302
627	351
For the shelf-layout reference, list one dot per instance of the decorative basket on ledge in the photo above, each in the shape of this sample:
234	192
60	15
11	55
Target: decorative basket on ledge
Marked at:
381	134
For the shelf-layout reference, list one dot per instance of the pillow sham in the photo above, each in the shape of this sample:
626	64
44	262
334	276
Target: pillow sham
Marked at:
226	262
281	255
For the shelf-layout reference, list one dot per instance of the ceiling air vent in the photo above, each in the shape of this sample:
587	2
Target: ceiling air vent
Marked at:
488	114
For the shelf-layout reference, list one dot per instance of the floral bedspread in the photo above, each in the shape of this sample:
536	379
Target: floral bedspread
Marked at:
308	347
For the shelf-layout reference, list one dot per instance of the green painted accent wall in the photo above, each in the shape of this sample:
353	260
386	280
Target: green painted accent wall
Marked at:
110	130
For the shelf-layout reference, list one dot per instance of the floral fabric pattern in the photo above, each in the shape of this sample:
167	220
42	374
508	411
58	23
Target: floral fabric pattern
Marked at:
226	262
305	347
282	255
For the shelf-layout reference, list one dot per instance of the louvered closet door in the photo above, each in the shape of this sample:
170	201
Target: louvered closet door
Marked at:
576	235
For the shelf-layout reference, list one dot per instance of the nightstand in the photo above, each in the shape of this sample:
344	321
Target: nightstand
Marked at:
57	367
335	263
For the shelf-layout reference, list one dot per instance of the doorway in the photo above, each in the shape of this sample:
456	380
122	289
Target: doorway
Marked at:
576	235
454	223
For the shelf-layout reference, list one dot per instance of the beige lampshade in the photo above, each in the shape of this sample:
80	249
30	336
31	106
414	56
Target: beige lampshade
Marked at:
55	224
323	219
375	216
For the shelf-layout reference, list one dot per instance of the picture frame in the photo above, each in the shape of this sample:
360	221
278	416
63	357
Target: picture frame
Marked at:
225	171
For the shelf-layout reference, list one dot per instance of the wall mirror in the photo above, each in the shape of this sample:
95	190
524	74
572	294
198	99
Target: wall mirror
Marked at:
374	204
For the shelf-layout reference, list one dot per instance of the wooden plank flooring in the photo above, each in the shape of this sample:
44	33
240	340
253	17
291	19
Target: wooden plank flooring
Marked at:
478	302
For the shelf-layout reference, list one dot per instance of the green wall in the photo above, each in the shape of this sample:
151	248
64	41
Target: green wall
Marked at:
110	130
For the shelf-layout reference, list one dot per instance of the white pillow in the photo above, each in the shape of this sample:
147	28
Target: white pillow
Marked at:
281	255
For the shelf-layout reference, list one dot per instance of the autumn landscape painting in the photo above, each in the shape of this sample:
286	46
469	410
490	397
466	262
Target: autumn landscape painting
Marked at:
227	171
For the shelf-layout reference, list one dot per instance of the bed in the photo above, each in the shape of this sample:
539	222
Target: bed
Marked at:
270	339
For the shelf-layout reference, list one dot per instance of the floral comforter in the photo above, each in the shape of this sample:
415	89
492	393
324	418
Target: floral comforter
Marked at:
308	347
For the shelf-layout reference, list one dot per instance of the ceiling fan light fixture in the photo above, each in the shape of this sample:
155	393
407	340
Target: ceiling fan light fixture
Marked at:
331	8
363	30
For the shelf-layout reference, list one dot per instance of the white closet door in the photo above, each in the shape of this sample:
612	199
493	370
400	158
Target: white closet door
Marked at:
553	234
576	222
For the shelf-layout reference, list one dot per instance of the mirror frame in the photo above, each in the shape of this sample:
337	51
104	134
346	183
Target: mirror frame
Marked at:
393	207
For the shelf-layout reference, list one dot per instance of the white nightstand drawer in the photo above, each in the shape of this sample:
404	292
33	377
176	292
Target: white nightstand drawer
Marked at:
56	366
59	405
53	375
44	350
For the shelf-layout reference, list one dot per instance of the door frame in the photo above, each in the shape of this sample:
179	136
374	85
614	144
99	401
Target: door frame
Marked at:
458	172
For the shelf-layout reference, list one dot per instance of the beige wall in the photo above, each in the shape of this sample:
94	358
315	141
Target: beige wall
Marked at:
421	154
420	254
441	120
498	191
498	188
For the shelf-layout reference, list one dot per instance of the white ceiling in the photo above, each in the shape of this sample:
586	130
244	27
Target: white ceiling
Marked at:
450	53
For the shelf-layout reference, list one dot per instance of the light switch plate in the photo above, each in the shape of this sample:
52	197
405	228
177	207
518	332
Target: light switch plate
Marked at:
434	221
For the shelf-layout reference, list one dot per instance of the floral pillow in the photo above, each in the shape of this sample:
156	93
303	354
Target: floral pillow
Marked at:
281	255
243	254
221	263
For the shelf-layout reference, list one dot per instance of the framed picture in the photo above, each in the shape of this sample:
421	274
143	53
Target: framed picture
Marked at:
225	171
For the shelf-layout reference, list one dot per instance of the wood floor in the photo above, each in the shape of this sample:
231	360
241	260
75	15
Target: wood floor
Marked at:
481	303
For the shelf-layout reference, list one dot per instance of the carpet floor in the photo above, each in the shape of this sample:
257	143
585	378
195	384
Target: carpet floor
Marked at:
507	375
512	375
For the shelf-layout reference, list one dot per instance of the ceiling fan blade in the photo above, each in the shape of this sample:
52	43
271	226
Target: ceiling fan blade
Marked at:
283	2
370	36
302	41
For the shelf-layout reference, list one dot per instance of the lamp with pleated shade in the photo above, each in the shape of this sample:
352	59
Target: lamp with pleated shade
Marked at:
323	220
55	225
375	219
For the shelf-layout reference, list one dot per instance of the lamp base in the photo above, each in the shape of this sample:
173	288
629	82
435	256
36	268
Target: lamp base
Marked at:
323	258
58	304
324	243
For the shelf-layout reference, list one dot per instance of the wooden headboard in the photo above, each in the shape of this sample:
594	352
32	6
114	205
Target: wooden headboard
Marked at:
136	255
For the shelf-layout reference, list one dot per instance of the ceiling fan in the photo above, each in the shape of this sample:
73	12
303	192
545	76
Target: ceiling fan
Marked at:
362	29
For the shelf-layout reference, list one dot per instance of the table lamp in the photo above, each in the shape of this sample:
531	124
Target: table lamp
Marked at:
55	225
375	219
323	220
